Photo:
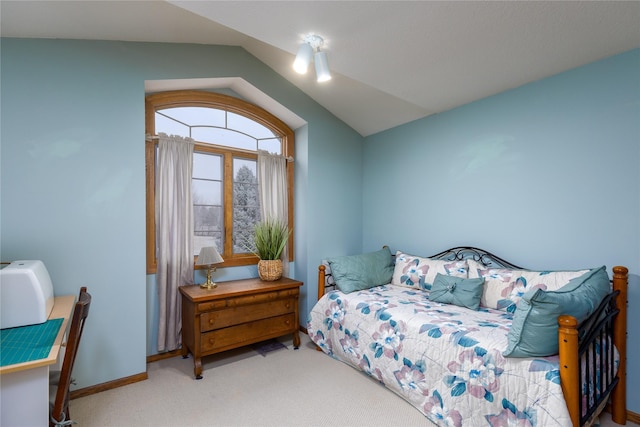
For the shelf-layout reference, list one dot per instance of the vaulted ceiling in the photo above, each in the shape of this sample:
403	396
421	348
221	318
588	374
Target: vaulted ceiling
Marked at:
392	61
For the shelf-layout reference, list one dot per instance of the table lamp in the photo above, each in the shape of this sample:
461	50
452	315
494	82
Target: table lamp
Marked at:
208	256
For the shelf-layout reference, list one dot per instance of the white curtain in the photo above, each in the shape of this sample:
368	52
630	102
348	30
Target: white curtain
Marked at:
174	234
272	182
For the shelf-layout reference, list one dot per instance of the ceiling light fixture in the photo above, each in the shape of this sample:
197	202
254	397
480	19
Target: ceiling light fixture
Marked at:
303	58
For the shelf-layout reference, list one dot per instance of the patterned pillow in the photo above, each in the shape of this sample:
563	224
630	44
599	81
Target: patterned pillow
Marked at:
504	287
419	273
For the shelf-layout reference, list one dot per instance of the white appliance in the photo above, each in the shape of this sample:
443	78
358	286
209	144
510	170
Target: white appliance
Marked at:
26	294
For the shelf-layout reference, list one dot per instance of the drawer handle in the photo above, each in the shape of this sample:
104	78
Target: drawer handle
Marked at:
286	322
211	321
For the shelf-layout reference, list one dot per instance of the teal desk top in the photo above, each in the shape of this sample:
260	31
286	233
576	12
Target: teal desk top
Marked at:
27	343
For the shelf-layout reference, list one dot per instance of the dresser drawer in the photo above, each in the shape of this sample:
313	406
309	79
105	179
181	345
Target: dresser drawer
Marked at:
247	333
245	313
246	300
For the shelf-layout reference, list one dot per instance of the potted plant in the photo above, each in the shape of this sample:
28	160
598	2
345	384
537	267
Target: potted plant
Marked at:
270	236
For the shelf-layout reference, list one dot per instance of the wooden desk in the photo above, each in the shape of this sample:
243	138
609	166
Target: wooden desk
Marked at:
24	387
235	314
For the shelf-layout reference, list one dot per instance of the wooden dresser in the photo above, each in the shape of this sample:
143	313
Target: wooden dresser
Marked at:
235	314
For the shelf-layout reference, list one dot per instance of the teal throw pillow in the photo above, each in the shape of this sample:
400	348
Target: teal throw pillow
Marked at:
457	290
534	332
358	272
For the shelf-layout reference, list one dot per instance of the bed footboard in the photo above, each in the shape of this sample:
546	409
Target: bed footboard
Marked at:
619	394
587	369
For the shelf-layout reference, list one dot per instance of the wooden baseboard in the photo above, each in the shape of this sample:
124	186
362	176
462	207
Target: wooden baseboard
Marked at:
633	417
162	356
87	391
74	394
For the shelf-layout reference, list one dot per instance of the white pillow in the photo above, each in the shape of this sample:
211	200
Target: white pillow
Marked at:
417	272
504	287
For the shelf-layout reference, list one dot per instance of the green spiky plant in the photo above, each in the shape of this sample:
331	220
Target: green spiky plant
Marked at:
270	237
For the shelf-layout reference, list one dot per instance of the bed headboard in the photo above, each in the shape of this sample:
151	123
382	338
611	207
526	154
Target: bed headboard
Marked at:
458	253
480	255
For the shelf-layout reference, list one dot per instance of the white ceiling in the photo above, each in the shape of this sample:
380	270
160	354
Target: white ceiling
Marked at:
392	61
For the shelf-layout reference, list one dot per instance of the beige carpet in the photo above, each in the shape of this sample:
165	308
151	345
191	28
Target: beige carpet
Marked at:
304	387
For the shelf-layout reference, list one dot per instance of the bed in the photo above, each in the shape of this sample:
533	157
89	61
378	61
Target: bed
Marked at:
448	360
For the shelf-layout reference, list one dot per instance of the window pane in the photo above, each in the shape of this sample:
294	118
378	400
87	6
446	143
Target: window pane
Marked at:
207	166
225	137
214	126
246	205
194	116
273	145
170	127
207	192
206	187
248	126
207	229
244	170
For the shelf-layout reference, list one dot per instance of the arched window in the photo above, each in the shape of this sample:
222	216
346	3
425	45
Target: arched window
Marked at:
228	132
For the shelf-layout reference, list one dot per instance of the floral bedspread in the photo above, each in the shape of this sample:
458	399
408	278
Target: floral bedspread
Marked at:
443	359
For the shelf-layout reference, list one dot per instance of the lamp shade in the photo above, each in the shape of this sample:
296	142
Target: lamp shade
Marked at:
303	58
322	66
209	255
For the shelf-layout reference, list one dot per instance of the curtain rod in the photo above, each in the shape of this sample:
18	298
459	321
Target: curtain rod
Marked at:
288	158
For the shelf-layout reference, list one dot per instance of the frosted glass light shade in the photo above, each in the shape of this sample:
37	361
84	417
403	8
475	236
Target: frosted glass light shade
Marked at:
322	66
303	58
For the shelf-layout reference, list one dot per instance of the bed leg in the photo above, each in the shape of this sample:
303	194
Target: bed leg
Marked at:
568	350
619	394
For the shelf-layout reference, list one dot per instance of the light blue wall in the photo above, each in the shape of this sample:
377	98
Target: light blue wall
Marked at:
72	178
334	202
546	175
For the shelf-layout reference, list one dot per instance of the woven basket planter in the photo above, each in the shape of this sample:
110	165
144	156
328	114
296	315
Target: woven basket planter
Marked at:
270	270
